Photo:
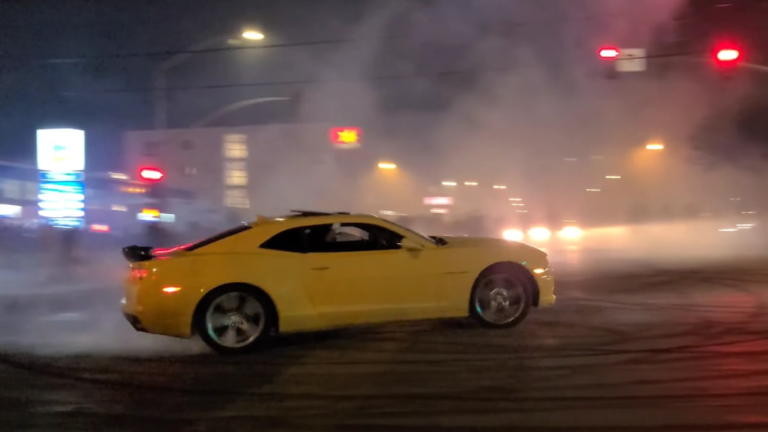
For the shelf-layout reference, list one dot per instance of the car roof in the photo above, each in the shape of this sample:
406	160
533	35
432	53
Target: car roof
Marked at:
305	217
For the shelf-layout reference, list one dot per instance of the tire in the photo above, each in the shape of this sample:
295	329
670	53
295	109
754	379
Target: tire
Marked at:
235	319
501	297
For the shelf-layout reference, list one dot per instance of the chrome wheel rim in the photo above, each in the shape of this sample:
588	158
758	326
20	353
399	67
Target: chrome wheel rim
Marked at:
235	319
500	299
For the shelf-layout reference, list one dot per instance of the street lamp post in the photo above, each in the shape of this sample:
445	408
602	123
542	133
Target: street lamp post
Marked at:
234	107
159	75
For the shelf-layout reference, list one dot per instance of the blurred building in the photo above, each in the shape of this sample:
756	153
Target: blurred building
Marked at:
18	192
250	170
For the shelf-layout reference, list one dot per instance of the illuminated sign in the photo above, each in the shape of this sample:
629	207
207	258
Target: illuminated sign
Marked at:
60	150
61	213
151	212
100	228
346	137
62	202
133	190
149	215
61	176
438	201
67	222
151	174
10	211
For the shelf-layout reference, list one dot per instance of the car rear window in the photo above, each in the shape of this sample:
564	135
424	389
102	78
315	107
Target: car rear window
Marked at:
220	236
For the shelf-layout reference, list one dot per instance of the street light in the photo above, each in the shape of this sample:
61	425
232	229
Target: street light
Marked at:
449	183
387	165
160	93
253	35
654	146
613	177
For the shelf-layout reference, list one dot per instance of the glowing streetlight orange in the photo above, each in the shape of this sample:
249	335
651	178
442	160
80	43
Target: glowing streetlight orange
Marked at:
654	146
387	165
253	35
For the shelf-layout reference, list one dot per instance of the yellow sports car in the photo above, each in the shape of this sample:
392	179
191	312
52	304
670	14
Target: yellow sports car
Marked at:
312	271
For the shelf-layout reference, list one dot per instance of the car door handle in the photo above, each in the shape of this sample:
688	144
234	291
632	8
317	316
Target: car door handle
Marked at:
320	268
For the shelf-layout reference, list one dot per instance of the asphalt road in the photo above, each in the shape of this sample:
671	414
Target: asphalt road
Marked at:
650	349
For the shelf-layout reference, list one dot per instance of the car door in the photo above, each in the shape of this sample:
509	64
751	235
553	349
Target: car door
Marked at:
358	273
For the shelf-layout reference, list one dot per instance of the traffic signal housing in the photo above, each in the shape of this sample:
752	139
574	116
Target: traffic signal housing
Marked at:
727	55
608	56
608	53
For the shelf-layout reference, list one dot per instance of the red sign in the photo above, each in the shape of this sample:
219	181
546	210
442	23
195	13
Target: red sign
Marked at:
100	228
345	137
151	174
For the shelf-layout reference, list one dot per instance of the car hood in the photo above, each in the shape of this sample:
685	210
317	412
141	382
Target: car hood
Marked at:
485	242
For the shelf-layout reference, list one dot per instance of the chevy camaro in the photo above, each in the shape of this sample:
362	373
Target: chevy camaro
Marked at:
312	271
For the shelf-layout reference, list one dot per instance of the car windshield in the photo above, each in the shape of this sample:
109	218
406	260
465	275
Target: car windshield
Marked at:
414	232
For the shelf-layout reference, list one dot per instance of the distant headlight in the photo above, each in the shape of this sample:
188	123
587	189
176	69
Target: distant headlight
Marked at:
513	235
539	234
571	233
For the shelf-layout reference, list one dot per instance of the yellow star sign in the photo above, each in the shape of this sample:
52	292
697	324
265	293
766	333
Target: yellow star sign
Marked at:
347	136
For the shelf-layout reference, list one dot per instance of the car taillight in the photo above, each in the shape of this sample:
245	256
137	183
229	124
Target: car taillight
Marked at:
139	274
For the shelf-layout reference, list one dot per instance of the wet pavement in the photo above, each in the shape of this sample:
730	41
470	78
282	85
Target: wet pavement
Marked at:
639	349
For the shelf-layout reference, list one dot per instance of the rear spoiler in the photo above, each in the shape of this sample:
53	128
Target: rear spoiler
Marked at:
137	253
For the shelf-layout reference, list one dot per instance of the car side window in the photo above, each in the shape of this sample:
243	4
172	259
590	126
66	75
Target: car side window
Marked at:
351	237
290	240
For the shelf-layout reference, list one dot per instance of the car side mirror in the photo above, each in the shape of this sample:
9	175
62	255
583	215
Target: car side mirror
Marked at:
410	245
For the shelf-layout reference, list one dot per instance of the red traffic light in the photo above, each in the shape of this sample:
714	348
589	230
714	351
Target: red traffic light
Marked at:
728	55
608	53
151	174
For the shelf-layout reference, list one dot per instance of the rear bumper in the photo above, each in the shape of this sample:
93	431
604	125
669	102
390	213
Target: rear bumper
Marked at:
155	321
135	322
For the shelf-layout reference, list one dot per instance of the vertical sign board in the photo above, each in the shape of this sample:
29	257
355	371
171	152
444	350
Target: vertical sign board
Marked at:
61	161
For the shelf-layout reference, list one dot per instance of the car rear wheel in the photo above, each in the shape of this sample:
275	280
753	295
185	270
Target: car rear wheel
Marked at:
234	320
501	299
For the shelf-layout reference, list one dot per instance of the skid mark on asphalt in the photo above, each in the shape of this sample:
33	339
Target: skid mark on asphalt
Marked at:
681	340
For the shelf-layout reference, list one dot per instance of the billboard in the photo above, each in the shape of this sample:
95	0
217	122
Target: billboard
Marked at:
62	202
60	150
10	211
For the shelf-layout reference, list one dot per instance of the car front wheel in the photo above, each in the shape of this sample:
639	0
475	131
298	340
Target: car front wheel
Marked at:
501	299
233	320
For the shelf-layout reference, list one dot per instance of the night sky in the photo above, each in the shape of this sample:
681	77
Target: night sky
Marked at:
37	92
61	65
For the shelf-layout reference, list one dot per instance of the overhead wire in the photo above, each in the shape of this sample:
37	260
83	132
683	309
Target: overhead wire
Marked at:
386	77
